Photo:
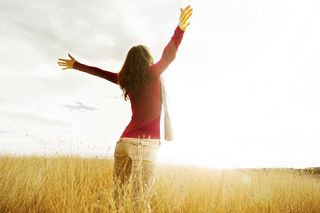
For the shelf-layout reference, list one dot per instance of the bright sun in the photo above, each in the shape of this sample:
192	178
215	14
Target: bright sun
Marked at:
200	141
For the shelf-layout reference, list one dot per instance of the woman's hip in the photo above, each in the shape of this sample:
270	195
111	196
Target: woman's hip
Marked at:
137	148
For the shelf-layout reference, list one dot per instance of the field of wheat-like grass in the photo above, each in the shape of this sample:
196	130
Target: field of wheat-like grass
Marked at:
75	184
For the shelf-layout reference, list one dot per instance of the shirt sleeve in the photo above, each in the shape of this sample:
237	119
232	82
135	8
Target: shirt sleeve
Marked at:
110	76
169	52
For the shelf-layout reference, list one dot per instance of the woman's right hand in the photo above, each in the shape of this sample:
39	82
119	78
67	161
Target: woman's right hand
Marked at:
66	63
184	17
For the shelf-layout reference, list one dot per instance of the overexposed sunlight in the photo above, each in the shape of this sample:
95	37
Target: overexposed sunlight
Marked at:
228	131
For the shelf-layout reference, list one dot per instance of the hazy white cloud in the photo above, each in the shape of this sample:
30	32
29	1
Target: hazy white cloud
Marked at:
80	106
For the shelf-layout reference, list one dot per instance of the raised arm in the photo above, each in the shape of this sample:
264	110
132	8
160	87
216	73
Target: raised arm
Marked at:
73	64
170	50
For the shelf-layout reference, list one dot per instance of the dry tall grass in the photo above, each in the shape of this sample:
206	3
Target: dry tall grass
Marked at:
73	184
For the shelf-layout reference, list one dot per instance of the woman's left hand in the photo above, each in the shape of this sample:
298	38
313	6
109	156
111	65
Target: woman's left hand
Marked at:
66	63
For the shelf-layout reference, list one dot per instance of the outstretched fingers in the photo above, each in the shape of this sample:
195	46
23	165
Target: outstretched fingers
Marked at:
66	63
186	15
183	10
62	63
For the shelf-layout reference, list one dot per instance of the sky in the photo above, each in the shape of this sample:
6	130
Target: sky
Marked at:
244	88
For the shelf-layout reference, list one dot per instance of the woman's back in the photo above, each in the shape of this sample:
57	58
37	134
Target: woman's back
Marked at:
146	110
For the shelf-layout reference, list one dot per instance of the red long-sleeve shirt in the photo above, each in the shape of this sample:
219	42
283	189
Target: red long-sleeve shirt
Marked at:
146	104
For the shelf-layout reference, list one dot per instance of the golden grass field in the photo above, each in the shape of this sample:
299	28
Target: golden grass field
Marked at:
74	184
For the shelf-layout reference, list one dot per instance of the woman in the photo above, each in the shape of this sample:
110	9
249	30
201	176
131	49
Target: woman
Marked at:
136	150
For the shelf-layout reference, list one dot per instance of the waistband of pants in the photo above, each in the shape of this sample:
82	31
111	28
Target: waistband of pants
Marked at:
142	141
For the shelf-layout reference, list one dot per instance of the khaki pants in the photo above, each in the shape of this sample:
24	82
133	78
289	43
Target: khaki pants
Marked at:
134	173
